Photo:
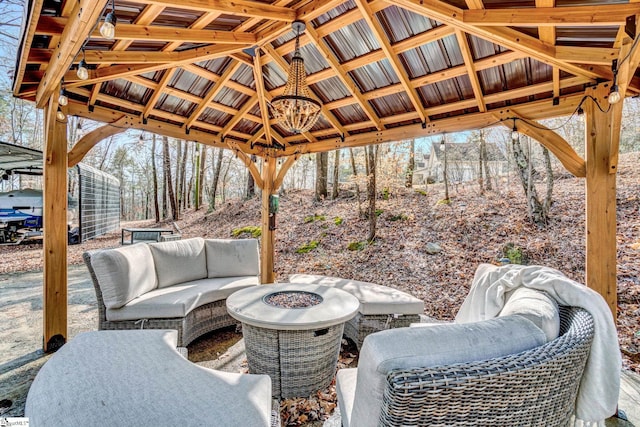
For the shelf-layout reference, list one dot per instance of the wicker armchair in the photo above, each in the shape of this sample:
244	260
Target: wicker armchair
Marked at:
536	387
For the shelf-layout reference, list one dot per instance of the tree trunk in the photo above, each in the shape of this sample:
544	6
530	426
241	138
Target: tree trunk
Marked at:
216	177
549	196
203	167
183	178
371	152
251	184
336	175
178	181
355	174
322	160
485	162
411	165
154	173
525	172
168	178
445	175
482	158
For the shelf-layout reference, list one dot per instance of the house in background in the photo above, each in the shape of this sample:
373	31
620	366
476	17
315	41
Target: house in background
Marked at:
463	163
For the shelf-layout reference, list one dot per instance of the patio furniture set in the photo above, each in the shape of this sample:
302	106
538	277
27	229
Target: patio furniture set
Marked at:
525	364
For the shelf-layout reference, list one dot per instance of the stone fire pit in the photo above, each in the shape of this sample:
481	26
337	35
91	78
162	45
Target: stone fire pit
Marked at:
292	333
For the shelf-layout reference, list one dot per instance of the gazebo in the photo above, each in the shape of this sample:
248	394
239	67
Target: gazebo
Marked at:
213	72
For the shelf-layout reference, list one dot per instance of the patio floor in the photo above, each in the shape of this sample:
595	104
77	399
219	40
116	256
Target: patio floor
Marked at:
20	341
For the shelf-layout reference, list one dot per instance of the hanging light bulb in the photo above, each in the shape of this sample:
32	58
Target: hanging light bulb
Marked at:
614	93
108	27
514	133
63	99
83	71
60	115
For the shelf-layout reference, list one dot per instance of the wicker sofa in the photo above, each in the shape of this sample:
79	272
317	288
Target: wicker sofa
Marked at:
179	285
381	307
500	372
137	378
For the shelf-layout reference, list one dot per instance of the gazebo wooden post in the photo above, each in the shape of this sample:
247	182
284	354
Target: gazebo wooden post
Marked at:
267	248
600	197
55	229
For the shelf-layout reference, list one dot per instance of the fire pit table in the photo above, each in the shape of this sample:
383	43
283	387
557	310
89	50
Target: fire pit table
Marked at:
293	333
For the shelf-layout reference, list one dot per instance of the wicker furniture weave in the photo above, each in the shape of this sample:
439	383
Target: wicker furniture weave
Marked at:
537	387
196	323
298	362
362	325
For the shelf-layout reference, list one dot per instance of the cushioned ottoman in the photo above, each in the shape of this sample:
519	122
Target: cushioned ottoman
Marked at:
381	307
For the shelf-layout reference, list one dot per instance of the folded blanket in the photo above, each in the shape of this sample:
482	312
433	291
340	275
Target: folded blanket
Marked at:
600	384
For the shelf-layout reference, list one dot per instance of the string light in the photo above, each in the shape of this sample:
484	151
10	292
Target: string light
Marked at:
108	27
63	99
60	115
514	133
614	94
83	71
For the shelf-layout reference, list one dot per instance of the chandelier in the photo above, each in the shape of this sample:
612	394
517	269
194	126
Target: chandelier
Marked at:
295	110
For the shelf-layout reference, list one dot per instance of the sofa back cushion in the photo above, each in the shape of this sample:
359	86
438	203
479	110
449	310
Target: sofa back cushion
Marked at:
232	258
536	306
442	344
124	273
179	261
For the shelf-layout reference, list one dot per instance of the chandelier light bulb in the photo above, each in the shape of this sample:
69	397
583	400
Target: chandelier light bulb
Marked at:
108	27
63	99
83	71
515	134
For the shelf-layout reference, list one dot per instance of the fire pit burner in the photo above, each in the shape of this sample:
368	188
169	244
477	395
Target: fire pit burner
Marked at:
292	299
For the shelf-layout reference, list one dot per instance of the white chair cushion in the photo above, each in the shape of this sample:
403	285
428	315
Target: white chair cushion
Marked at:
536	306
433	346
374	299
137	378
124	273
179	261
179	300
230	258
346	391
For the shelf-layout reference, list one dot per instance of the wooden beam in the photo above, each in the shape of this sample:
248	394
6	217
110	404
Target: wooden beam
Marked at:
616	109
586	55
246	159
217	87
507	37
87	142
233	7
601	262
398	68
55	228
25	45
550	139
291	160
547	34
342	76
267	244
157	91
260	90
471	71
240	115
592	15
85	14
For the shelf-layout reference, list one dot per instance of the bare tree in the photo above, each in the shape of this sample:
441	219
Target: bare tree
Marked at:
526	173
355	174
216	176
411	165
322	163
549	195
154	173
168	179
336	175
371	160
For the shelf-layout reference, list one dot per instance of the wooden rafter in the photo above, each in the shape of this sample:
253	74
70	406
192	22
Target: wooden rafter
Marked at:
398	68
240	115
217	87
29	33
591	15
471	71
264	111
157	92
246	159
233	7
346	80
83	17
506	37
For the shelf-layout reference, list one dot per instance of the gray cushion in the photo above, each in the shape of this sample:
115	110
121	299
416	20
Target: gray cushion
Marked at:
179	261
433	346
536	306
230	258
374	299
124	273
346	391
137	378
178	300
